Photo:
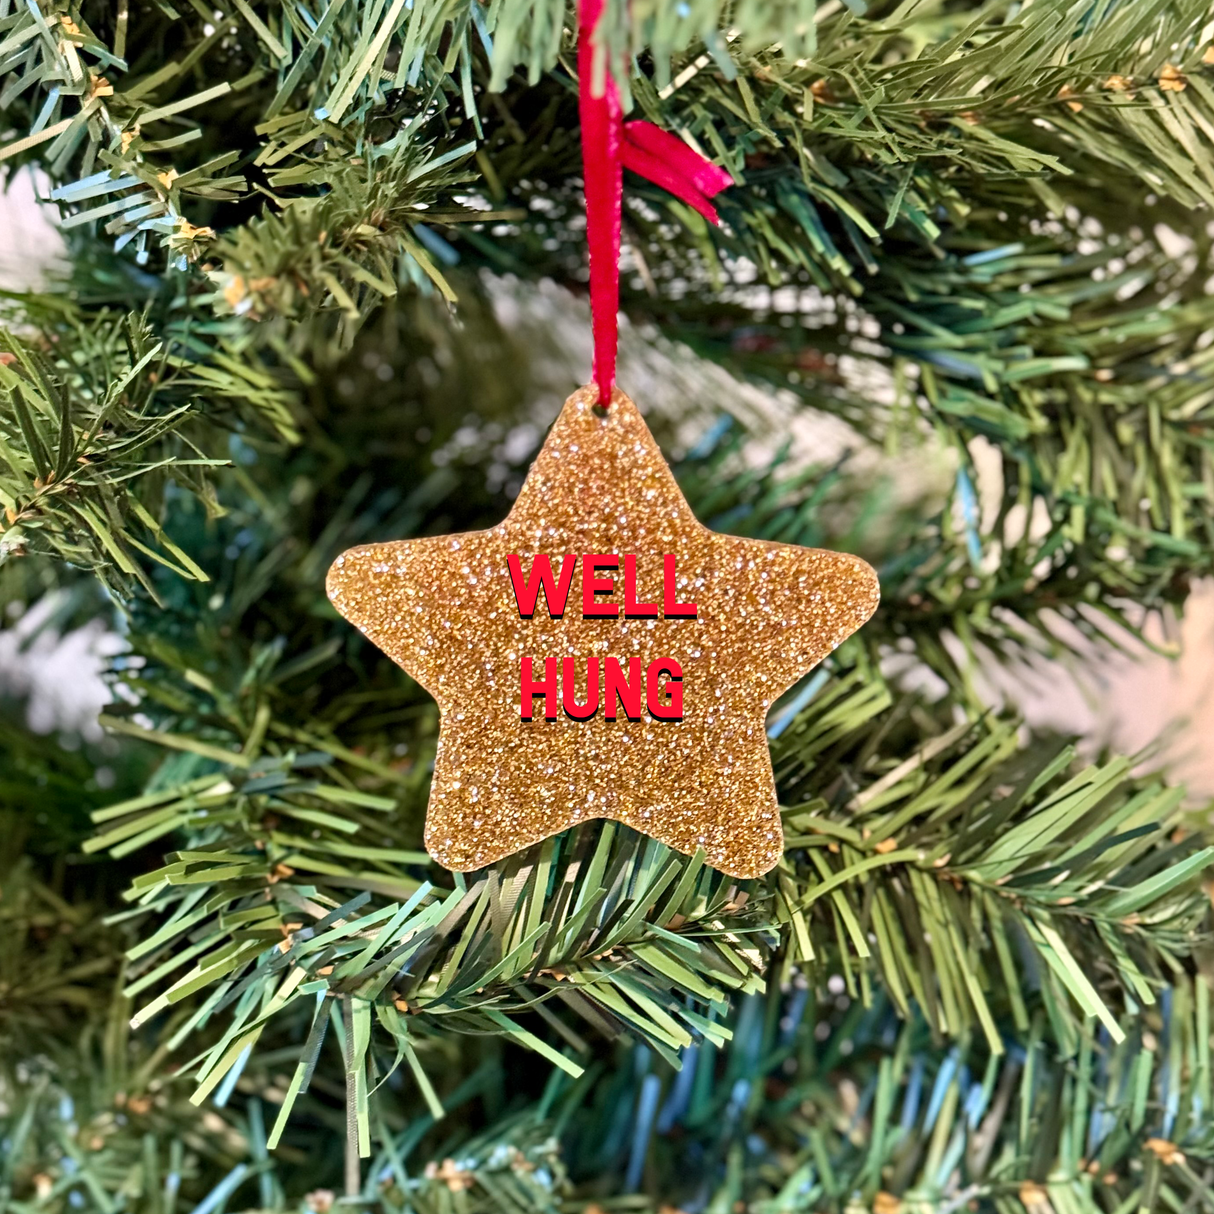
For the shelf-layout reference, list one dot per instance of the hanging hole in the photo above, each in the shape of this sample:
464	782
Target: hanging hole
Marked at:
599	410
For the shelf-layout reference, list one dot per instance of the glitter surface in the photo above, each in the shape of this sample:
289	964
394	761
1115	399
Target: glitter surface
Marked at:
444	609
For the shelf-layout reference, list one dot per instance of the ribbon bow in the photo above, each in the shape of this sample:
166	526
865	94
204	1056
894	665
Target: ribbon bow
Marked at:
608	145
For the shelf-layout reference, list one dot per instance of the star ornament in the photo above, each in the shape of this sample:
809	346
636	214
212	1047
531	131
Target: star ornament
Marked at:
601	654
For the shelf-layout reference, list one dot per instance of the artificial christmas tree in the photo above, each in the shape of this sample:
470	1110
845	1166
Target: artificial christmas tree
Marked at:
232	978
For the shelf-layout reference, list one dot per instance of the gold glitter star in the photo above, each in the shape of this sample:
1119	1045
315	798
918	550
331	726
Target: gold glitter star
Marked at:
449	611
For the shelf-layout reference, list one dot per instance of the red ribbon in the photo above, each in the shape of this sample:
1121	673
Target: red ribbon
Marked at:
608	145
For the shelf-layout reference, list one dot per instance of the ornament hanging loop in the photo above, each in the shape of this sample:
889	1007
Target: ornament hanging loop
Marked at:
608	146
602	117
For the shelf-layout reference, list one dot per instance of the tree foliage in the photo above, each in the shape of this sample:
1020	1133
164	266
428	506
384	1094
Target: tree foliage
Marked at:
978	978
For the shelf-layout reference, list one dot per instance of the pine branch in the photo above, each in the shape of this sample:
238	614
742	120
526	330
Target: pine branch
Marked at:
766	1121
1020	341
57	960
75	432
820	1104
1007	862
973	869
894	93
